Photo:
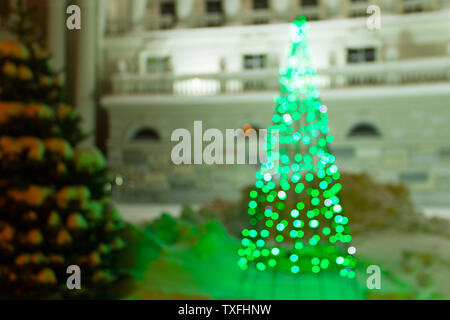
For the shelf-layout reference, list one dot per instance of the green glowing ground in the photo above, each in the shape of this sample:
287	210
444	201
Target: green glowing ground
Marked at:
181	260
208	269
218	277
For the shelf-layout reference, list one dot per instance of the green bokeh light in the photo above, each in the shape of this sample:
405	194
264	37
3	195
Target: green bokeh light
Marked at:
296	193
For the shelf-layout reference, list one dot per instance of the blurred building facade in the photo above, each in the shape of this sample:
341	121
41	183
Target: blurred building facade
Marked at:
159	65
168	63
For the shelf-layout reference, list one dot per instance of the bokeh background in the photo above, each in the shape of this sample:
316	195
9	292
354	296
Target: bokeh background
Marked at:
139	69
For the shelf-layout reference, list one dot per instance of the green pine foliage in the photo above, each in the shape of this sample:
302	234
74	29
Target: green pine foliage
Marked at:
55	209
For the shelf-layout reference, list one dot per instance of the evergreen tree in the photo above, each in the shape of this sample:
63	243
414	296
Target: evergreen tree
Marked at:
297	223
55	209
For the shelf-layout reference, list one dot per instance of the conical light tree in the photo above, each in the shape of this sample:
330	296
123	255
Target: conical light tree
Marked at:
297	221
55	210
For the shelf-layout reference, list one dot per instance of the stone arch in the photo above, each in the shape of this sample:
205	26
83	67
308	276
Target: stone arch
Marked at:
364	130
144	133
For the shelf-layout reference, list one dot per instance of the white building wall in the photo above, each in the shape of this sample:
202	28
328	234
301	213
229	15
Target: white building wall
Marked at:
408	101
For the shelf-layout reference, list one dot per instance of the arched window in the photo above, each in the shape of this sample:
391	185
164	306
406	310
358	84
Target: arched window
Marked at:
145	134
364	130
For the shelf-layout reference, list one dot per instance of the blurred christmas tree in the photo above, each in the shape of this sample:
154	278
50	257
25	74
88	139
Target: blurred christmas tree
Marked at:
297	222
54	205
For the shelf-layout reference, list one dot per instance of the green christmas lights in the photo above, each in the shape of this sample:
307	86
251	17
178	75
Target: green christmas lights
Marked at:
297	222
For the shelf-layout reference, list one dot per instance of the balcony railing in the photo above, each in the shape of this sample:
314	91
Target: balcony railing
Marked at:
154	21
369	74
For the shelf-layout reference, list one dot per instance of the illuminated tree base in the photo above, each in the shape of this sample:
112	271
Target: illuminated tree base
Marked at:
274	285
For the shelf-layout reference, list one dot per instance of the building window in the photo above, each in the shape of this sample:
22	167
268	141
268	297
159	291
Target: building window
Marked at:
214	10
357	13
157	64
255	62
413	9
413	6
167	8
364	130
260	4
361	55
168	14
413	177
309	3
258	61
310	9
343	152
214	6
145	134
